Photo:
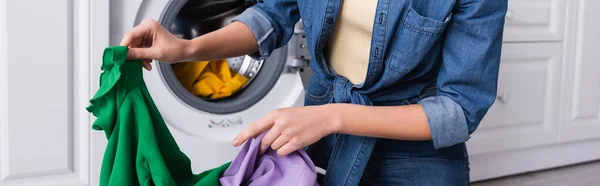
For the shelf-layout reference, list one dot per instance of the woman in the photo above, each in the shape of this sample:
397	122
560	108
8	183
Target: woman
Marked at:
398	85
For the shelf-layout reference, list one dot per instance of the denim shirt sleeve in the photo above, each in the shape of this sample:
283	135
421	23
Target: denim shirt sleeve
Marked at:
468	76
272	23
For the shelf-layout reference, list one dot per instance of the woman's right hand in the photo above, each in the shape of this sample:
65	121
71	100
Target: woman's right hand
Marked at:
150	41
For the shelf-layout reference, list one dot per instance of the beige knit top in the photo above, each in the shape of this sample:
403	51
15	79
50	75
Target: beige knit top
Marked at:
348	50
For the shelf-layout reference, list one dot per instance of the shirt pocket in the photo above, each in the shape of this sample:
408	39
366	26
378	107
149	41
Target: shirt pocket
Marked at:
415	39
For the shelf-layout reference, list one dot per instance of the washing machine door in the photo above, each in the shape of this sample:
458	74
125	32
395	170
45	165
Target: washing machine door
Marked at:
205	127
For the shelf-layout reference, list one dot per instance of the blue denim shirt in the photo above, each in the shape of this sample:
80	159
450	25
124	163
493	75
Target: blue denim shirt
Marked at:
451	46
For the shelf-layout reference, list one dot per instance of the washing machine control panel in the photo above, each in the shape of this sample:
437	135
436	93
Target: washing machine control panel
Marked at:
225	123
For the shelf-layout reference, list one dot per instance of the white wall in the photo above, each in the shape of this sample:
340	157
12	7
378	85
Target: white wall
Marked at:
46	49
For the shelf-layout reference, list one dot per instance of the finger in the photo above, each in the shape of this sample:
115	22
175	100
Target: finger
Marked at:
269	137
135	34
142	53
287	149
147	61
279	142
146	65
254	129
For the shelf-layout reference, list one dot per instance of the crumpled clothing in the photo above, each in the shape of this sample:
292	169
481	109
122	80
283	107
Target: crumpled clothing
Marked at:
206	79
249	168
140	149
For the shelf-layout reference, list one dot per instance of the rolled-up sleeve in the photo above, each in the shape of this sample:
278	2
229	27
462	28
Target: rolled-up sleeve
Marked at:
272	23
468	76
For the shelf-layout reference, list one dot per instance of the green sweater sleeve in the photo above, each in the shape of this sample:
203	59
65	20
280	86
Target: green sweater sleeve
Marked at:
140	149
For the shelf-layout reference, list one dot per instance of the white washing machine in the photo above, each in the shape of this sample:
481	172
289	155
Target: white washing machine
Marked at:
205	128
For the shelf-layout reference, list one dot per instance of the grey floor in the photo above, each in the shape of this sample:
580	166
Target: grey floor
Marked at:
587	174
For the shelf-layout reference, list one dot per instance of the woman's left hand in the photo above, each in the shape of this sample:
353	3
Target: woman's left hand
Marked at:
291	128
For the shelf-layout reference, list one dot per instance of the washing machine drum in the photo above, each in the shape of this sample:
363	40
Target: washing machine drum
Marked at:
269	83
199	17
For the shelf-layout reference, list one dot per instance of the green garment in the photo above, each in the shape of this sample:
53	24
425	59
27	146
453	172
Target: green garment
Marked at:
140	150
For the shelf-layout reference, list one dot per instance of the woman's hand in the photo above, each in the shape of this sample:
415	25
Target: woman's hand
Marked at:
150	41
291	128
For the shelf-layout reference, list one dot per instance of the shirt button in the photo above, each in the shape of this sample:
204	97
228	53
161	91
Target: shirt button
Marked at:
329	21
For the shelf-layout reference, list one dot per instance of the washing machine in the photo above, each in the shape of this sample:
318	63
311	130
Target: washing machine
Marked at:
203	127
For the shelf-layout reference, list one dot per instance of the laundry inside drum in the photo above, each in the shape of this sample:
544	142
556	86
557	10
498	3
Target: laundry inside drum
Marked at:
216	79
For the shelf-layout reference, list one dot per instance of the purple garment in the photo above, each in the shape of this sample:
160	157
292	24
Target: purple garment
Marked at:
251	169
